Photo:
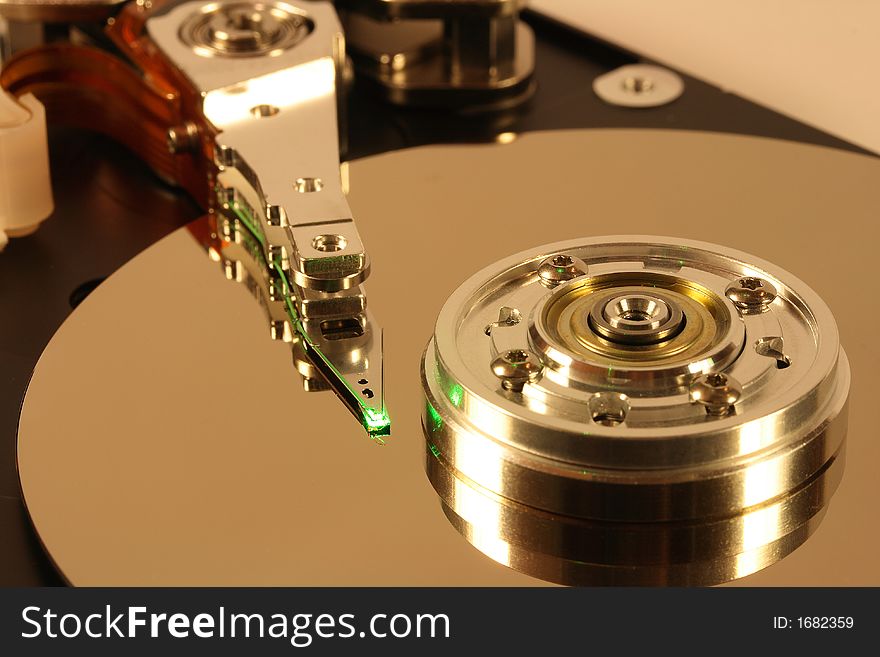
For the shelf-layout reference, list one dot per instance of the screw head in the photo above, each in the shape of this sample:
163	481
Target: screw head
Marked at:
516	368
716	391
560	268
751	294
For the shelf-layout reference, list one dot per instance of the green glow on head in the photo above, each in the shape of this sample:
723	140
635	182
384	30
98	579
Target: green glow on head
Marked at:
377	423
456	394
435	451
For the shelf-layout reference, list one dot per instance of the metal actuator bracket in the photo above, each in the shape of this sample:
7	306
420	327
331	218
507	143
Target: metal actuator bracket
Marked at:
269	74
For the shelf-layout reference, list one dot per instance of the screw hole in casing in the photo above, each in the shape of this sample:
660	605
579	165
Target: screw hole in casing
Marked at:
608	408
308	185
637	84
329	243
264	111
773	347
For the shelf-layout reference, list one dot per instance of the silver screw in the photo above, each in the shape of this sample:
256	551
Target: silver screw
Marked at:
751	294
560	268
516	368
716	391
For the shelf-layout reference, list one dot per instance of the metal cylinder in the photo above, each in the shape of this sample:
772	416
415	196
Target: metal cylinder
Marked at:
651	421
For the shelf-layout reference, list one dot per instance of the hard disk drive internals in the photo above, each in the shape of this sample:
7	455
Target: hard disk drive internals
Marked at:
635	410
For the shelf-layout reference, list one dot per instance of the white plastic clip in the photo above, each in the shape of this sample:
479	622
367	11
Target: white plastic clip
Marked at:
25	185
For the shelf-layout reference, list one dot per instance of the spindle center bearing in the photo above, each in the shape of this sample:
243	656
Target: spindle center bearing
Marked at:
636	318
627	321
